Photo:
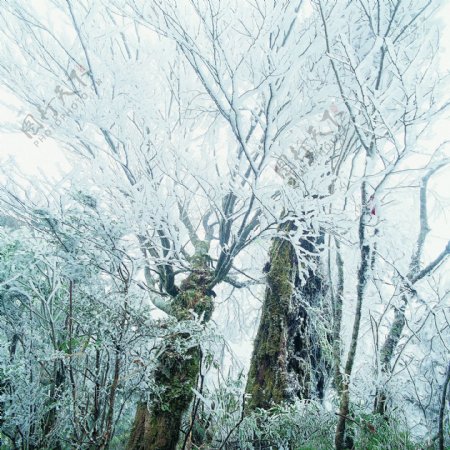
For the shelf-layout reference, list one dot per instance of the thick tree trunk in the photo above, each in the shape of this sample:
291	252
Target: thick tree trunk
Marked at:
284	357
267	379
157	426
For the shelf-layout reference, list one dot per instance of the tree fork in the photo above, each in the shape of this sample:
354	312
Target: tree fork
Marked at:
158	427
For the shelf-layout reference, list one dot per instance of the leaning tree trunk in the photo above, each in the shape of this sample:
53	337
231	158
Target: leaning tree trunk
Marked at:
387	352
158	427
284	357
414	275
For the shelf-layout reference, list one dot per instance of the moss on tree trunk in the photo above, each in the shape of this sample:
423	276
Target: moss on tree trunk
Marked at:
284	357
267	379
157	426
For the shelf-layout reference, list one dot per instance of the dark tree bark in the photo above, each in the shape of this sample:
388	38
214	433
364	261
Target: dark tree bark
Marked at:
442	408
157	426
342	441
56	388
286	358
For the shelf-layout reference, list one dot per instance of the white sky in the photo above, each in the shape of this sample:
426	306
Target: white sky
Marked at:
49	158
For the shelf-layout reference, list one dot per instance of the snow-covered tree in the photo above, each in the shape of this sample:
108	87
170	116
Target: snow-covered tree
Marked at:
207	138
